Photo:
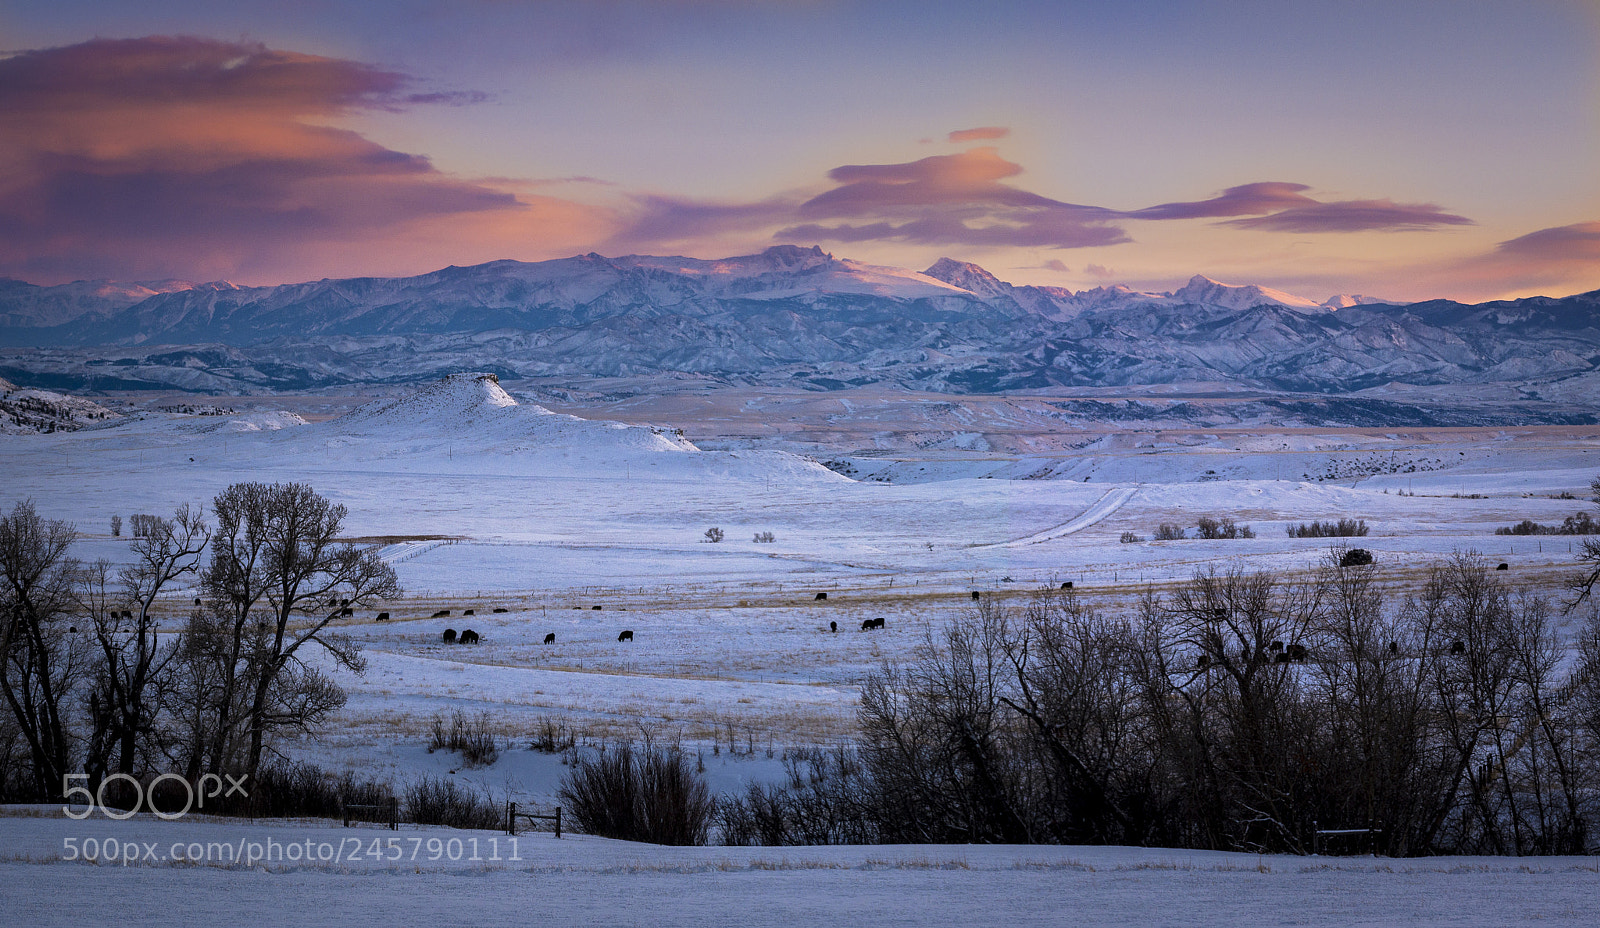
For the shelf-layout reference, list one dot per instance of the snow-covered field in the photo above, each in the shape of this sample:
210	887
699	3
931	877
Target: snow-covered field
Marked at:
585	528
426	876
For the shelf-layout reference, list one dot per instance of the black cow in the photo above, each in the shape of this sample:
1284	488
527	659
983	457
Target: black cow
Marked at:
449	636
1276	646
441	613
498	609
470	612
872	623
833	626
1459	647
1067	585
1296	652
976	595
383	617
822	596
347	611
627	635
550	638
1503	566
596	608
469	637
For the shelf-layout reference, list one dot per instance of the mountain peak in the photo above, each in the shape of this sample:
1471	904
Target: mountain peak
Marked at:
1202	289
967	276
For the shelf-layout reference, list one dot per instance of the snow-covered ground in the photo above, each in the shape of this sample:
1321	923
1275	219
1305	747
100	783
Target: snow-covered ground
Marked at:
427	876
481	502
585	528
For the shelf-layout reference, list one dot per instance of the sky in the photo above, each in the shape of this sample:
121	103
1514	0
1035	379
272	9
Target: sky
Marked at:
1404	150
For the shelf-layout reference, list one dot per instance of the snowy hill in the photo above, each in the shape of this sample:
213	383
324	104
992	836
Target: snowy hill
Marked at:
26	411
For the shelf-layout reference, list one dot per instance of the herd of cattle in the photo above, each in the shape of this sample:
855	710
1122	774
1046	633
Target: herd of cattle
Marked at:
468	636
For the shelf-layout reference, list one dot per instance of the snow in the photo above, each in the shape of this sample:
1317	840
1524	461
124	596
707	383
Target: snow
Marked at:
585	880
486	502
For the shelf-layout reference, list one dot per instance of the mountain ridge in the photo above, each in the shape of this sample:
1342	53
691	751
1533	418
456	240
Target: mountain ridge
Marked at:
791	315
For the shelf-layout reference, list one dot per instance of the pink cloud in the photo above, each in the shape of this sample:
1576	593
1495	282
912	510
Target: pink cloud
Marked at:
980	134
1354	216
180	156
1579	242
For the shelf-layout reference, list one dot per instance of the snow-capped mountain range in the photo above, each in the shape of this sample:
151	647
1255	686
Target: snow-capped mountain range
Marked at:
793	315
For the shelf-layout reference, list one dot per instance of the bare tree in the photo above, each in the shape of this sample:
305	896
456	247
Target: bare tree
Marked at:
1582	585
131	660
39	658
278	577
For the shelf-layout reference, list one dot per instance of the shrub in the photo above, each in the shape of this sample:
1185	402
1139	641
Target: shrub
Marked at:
763	538
1166	531
473	737
1129	538
713	534
1355	557
1209	527
1344	528
1579	523
441	801
552	736
651	794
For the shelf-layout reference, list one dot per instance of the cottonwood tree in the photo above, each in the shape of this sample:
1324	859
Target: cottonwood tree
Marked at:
131	661
275	582
40	659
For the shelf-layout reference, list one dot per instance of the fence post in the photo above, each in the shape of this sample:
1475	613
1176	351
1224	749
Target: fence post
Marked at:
511	818
558	821
394	813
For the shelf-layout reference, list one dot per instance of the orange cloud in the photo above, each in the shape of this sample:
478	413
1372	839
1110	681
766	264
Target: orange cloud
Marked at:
178	156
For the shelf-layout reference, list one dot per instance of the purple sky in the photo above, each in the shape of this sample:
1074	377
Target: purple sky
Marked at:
1402	149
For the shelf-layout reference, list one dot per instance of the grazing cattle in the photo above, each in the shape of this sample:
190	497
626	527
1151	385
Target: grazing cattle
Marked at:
597	608
1297	652
126	614
441	613
833	626
1394	647
627	635
1460	647
1281	659
347	611
72	629
976	594
197	600
872	623
1204	661
344	602
1067	585
1503	566
497	609
470	612
550	638
822	596
449	636
469	637
383	617
1276	646
1219	612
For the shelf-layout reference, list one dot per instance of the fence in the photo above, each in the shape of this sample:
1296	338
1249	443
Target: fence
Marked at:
512	815
389	812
